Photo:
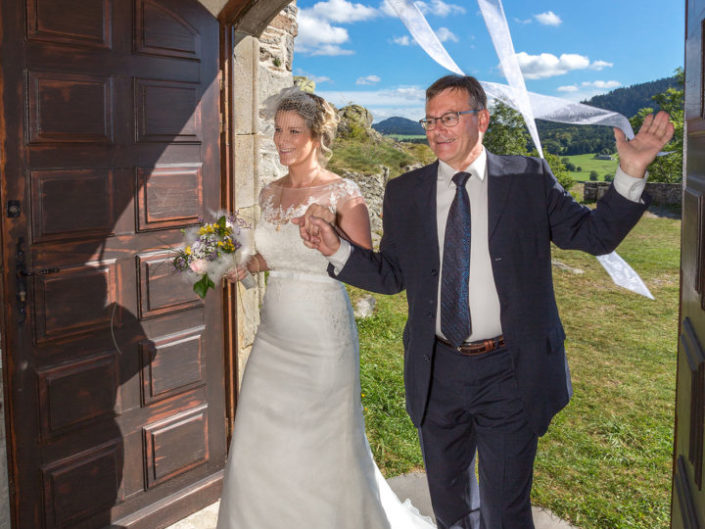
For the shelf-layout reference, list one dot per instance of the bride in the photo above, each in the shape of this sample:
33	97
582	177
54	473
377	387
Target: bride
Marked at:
299	457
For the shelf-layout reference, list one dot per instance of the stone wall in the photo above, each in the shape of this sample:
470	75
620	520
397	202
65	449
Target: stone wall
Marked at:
372	188
662	194
262	68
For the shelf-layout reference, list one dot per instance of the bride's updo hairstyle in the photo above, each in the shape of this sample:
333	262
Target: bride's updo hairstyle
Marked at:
319	115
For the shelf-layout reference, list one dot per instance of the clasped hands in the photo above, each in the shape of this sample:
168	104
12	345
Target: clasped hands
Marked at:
317	231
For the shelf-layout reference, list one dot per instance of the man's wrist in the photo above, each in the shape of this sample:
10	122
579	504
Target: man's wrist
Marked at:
341	255
630	187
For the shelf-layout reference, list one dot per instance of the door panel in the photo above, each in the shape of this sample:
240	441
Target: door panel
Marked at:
114	365
688	497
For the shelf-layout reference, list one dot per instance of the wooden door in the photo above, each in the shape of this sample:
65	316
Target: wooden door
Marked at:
688	496
114	368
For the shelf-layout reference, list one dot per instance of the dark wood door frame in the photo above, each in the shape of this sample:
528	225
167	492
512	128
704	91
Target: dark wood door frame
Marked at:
227	84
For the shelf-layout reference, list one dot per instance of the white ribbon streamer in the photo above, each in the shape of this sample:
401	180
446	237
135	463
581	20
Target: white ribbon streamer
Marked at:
420	29
541	106
623	274
496	22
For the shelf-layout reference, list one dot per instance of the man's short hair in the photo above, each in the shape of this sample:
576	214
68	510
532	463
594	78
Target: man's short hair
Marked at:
478	98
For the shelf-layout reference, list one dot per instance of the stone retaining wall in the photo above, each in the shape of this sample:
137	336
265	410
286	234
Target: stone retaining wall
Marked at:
662	194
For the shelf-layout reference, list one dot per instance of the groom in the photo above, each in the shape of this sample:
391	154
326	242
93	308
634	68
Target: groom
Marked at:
469	238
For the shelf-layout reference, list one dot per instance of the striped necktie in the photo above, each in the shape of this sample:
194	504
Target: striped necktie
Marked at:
455	310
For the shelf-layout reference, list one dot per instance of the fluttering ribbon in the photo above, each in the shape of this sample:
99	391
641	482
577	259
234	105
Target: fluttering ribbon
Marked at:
496	22
531	105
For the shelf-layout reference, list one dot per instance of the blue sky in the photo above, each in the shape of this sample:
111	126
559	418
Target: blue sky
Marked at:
360	52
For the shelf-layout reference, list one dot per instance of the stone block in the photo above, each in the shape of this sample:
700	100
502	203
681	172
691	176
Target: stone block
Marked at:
242	358
245	170
245	67
248	312
4	488
268	162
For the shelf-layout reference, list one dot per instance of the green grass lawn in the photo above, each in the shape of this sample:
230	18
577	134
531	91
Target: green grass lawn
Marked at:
605	463
588	163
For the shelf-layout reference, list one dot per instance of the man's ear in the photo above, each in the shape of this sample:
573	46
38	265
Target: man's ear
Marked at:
483	119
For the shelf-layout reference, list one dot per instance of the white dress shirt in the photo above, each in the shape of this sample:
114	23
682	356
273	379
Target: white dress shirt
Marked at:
484	301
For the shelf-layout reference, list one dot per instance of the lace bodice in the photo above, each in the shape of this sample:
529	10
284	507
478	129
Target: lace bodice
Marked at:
277	239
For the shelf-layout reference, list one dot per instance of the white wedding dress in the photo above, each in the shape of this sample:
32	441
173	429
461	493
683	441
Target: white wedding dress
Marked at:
299	457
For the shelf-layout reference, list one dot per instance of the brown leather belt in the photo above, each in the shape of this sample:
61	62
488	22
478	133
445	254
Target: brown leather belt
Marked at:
476	348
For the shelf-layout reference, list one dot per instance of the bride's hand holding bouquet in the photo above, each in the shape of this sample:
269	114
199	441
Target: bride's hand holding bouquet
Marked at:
213	251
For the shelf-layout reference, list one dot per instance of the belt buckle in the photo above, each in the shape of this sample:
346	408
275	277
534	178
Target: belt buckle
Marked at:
484	346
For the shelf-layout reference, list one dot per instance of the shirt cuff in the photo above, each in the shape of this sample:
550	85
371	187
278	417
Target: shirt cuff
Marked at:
629	187
340	257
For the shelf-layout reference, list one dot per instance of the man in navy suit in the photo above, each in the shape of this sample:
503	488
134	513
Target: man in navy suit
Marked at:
489	379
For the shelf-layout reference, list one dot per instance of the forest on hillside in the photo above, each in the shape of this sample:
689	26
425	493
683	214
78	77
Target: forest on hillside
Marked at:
573	139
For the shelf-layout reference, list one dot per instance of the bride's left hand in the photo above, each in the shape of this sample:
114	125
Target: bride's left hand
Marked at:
237	274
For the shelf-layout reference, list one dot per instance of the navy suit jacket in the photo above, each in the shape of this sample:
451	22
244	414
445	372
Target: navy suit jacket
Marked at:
528	209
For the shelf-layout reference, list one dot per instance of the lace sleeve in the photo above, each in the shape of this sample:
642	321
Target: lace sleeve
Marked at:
346	195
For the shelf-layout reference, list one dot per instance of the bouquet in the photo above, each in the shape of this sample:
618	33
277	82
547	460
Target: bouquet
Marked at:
212	250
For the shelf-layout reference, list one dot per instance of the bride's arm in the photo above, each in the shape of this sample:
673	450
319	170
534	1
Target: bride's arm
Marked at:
256	263
354	223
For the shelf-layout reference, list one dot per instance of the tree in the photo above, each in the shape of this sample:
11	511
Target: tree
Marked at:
506	133
668	168
557	168
593	176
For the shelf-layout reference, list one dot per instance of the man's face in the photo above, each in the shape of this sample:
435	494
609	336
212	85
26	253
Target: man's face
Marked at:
459	145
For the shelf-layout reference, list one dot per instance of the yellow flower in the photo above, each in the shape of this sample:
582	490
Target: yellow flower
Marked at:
187	250
205	230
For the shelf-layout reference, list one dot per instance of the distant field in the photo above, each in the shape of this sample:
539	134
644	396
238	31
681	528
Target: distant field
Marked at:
588	163
407	137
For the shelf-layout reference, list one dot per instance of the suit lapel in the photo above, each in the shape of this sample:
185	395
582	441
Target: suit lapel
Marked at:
426	206
497	191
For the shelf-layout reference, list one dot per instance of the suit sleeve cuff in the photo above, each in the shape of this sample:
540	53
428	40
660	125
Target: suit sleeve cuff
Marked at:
629	187
340	258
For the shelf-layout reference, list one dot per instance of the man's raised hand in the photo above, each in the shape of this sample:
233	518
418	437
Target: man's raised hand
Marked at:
636	154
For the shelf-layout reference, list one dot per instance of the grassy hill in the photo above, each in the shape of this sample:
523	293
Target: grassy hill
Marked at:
368	157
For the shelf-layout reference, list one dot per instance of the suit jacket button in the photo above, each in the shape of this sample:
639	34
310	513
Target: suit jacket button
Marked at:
427	358
434	272
430	315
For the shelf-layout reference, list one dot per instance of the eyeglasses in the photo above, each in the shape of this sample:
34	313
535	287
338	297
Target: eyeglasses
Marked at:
449	119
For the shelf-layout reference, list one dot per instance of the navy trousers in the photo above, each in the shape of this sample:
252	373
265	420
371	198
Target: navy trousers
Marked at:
474	405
